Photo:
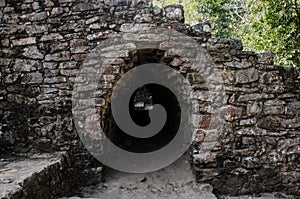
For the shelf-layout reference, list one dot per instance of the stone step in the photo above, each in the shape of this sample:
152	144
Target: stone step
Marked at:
38	176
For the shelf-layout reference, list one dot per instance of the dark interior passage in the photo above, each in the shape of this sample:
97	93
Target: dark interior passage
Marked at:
159	95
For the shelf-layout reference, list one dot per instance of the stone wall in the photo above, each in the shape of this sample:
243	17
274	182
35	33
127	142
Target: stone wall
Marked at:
43	44
259	147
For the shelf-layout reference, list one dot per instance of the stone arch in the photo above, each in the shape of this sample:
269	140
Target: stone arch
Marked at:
122	53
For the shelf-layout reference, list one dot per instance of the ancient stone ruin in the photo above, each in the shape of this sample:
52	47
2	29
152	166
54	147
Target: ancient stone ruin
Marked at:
44	44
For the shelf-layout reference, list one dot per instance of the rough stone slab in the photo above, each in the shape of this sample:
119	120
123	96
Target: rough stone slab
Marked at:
128	27
33	53
15	173
246	76
51	37
25	41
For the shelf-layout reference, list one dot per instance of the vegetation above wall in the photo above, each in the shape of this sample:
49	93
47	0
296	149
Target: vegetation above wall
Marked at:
262	24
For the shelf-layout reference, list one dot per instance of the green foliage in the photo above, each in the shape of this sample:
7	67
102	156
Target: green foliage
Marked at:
275	26
261	24
150	7
218	13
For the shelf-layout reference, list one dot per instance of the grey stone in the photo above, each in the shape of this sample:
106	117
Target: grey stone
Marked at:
33	53
32	78
231	113
24	41
36	29
127	27
246	76
174	12
266	58
248	122
55	80
25	65
270	122
57	11
24	176
2	3
273	110
69	73
254	96
92	20
291	123
38	16
51	37
156	10
60	56
293	108
98	26
50	65
270	78
5	62
11	78
5	42
240	65
254	108
35	5
68	65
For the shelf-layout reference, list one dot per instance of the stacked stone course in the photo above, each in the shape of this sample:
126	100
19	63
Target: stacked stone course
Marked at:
43	44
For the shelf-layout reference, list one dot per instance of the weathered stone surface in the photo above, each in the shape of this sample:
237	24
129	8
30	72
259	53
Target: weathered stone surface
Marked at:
254	96
156	10
32	78
291	123
247	122
273	110
25	41
57	11
33	53
61	56
127	27
270	123
293	108
51	37
271	78
231	113
240	65
32	176
38	16
45	43
2	3
23	65
174	13
55	80
254	108
246	76
266	58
